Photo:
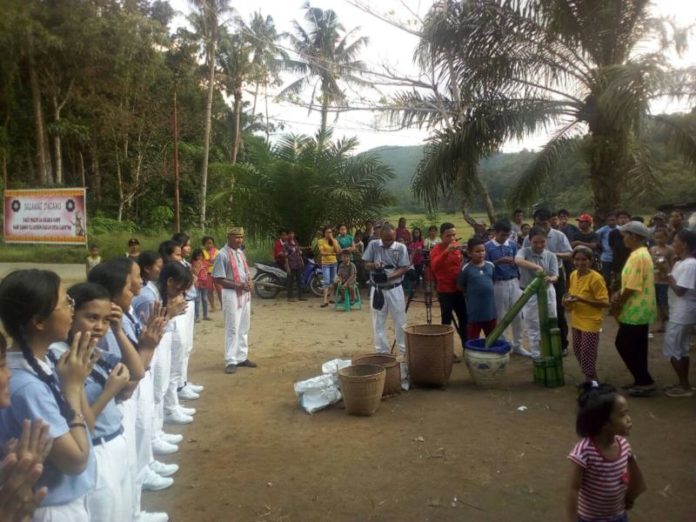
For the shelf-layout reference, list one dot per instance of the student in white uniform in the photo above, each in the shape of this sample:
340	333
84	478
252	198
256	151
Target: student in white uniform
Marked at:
185	326
175	413
110	499
36	312
135	344
22	463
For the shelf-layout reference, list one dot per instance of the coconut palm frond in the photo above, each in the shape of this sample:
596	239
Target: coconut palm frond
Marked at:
681	134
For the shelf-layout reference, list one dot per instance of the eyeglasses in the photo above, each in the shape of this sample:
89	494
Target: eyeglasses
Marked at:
70	302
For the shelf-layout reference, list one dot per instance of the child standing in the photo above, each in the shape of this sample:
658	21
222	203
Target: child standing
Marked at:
203	282
476	282
294	265
93	259
210	252
587	295
432	239
606	479
662	255
531	260
347	274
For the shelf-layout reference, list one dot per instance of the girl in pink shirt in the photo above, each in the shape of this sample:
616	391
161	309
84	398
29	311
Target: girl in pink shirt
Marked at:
605	479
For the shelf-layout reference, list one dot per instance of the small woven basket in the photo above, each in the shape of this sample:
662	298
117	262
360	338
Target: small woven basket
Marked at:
392	381
362	386
430	348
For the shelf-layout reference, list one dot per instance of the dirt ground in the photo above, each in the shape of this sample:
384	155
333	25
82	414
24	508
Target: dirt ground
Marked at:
463	453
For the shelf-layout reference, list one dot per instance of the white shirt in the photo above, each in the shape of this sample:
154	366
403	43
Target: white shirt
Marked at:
682	309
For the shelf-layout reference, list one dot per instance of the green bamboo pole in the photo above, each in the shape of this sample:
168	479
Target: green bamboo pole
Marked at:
532	289
543	300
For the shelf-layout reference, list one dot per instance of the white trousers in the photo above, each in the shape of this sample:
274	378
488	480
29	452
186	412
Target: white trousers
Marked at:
75	511
110	500
191	319
531	319
237	322
171	399
161	368
506	294
395	306
144	422
129	410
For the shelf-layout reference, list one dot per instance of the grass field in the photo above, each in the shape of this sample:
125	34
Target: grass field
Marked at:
423	221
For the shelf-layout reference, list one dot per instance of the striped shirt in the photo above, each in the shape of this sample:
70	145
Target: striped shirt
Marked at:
602	494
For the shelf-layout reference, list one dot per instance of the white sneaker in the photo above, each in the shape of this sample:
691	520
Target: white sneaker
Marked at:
171	438
153	482
187	411
187	394
162	469
146	516
521	351
177	417
162	447
195	387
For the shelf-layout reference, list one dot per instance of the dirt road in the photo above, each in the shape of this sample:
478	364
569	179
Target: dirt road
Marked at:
460	454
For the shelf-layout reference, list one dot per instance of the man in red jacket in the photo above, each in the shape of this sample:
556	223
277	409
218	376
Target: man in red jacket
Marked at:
446	261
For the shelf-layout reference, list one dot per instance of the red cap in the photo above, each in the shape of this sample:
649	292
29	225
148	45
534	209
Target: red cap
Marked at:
585	217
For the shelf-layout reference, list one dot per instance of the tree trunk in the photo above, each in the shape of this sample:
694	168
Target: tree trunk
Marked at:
237	124
57	149
81	168
268	125
208	122
96	175
43	159
606	178
490	210
177	211
256	96
119	180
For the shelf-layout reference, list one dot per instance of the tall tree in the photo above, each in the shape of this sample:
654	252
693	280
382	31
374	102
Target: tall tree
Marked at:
327	57
575	68
207	22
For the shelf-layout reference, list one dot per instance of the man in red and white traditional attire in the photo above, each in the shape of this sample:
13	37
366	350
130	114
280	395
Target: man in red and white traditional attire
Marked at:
231	271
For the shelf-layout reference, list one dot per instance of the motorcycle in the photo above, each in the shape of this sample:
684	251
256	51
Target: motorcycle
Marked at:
270	280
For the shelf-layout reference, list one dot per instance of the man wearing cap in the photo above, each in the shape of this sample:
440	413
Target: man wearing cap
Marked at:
388	261
585	236
635	307
231	272
659	220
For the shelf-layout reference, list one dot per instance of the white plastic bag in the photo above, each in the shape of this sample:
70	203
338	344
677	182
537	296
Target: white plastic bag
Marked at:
318	392
334	365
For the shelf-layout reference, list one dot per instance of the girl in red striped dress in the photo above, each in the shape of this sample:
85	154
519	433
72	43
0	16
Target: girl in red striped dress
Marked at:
606	479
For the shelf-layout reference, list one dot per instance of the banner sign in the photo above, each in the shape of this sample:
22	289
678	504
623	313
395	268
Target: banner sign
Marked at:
55	216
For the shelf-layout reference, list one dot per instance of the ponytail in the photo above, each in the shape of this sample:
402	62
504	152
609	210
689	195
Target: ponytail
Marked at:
181	275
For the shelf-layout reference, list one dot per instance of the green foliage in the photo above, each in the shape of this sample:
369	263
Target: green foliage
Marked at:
101	225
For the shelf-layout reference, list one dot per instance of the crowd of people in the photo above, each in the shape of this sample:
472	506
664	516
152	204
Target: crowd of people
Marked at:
100	369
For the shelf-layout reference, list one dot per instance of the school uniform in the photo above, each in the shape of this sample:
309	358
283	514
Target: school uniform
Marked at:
506	285
110	500
549	263
182	343
236	304
32	399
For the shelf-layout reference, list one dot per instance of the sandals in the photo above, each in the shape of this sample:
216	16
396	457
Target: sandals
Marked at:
678	392
324	305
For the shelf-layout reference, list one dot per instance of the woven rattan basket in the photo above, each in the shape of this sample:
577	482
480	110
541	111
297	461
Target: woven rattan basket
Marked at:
362	386
429	348
392	381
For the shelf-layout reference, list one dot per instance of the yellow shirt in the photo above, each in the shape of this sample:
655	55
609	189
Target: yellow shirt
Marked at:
328	252
638	275
583	316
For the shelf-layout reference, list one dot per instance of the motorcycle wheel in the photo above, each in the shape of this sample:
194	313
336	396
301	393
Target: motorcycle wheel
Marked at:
266	291
316	285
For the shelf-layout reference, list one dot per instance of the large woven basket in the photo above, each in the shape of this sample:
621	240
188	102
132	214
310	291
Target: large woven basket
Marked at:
362	386
429	348
392	381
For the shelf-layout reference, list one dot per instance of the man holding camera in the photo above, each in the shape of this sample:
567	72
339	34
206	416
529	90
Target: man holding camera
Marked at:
387	261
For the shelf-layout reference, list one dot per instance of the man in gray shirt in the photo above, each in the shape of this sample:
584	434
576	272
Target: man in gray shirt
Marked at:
387	262
231	271
557	243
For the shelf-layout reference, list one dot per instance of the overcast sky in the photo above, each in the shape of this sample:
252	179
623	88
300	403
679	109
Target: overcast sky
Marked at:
392	46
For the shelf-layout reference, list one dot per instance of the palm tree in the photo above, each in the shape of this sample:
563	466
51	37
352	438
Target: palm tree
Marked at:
327	56
303	183
267	58
207	21
234	56
572	68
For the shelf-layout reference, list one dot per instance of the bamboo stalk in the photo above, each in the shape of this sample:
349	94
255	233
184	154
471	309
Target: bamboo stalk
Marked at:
531	290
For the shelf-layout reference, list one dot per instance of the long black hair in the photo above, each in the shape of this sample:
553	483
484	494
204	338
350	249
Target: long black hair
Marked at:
25	295
146	260
167	248
688	237
181	239
112	275
323	232
181	275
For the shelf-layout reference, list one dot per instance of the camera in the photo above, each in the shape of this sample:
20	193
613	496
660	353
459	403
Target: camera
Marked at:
379	276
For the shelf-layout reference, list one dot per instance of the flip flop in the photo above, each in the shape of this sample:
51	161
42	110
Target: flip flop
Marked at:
324	305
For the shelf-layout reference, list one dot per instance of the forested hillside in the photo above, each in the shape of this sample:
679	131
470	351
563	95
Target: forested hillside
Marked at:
675	182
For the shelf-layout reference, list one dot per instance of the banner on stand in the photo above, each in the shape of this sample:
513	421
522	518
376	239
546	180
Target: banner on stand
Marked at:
55	216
